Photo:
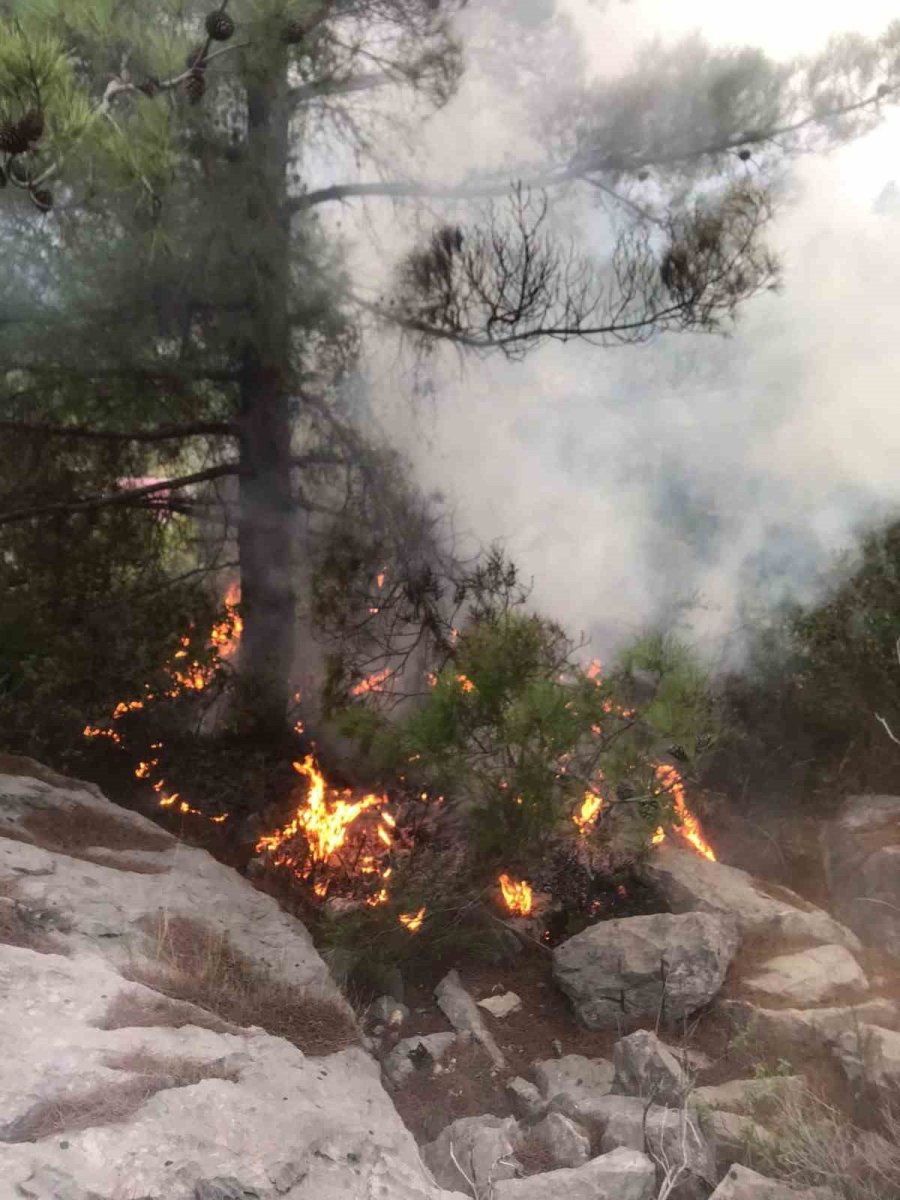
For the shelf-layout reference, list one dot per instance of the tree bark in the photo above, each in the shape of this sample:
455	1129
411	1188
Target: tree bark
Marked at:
265	521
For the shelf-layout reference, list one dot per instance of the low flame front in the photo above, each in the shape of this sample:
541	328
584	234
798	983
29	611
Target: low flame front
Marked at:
517	895
687	826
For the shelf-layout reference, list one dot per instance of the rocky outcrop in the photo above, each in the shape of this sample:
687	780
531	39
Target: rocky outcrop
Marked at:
812	976
870	1058
110	1087
792	1029
741	1183
621	971
693	884
861	848
621	1175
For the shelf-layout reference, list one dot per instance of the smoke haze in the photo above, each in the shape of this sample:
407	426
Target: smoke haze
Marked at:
625	481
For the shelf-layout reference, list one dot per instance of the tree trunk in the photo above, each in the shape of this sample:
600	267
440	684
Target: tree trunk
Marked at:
265	522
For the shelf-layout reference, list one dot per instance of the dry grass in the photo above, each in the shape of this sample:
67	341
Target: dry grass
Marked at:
534	1156
132	1010
815	1145
194	963
26	926
79	827
111	1103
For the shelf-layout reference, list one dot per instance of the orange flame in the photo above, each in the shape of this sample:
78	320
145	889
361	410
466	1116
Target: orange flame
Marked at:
323	818
688	826
465	683
517	896
413	921
372	683
226	634
590	809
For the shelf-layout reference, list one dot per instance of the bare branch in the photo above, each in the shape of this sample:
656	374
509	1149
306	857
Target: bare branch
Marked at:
125	497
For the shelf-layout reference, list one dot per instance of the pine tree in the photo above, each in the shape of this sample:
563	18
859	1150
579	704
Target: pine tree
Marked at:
155	233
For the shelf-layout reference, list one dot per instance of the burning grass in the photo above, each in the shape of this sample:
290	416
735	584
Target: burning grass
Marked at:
194	963
111	1103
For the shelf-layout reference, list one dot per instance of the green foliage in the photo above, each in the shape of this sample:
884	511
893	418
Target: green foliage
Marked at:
520	732
817	674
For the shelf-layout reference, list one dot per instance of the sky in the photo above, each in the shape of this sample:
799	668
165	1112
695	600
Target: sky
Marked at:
780	440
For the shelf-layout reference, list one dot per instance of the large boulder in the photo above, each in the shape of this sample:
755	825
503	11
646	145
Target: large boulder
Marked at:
664	965
621	1175
109	1087
561	1142
693	884
861	848
813	976
793	1029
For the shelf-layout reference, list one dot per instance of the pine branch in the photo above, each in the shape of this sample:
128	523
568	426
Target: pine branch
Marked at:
125	497
323	88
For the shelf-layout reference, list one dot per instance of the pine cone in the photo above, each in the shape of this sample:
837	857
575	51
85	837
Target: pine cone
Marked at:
744	154
678	751
293	33
31	125
195	87
219	26
704	741
42	199
150	87
12	139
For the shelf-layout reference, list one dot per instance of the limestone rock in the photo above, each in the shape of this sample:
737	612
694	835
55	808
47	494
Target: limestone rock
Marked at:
735	1138
810	976
524	1098
861	848
741	1183
501	1006
748	1095
635	967
462	1012
473	1154
574	1075
870	1058
693	884
646	1068
808	1028
621	1175
124	1092
565	1143
387	1011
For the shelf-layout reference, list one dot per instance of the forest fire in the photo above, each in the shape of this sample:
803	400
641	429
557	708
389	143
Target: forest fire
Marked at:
687	827
517	896
588	812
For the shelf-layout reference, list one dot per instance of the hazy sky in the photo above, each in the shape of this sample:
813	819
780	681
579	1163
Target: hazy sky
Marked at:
781	438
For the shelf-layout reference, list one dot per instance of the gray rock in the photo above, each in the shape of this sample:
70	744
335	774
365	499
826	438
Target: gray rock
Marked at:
870	1058
810	976
671	1136
620	1124
735	1138
574	1075
473	1154
861	849
566	1144
636	967
693	884
400	1064
524	1098
646	1068
807	1028
462	1012
741	1183
501	1006
748	1095
621	1175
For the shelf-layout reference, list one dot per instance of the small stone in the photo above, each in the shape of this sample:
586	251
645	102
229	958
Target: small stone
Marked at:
524	1098
501	1006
